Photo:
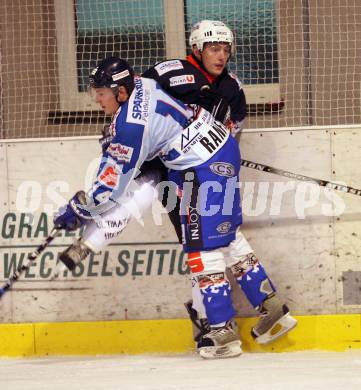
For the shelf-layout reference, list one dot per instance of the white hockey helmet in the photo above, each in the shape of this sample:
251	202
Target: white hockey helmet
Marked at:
207	31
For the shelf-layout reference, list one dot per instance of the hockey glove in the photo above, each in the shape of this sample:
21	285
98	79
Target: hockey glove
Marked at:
214	103
71	216
106	138
234	127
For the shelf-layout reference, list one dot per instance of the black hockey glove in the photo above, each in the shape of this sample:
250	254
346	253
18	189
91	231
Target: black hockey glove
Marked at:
106	138
212	101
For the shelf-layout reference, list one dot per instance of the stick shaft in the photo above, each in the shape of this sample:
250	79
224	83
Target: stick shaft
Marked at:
296	176
31	258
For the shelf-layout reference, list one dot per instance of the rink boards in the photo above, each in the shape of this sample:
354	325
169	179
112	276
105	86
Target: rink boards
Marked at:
307	238
321	332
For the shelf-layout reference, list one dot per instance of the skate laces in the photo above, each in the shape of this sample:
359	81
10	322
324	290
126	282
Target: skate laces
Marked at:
264	313
220	331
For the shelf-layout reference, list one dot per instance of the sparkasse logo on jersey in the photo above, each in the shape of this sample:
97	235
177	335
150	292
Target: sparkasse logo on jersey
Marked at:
138	108
179	80
138	99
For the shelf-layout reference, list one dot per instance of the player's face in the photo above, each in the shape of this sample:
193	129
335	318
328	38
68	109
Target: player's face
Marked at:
215	57
106	100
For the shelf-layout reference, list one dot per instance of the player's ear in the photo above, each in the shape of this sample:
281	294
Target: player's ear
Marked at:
196	52
123	95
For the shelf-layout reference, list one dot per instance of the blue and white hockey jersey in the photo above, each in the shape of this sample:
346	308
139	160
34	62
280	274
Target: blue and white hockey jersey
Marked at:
152	123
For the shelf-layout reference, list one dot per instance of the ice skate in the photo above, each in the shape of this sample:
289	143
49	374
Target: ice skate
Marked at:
220	343
74	254
275	321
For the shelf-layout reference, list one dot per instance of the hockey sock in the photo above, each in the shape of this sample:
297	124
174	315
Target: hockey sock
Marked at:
216	292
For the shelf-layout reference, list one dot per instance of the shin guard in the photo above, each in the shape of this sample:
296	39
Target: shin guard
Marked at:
253	279
216	292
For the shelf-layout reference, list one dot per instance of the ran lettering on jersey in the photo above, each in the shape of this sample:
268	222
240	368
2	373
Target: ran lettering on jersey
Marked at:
203	138
215	138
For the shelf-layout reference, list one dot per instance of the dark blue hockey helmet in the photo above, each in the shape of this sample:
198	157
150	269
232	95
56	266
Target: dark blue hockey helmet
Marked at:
112	72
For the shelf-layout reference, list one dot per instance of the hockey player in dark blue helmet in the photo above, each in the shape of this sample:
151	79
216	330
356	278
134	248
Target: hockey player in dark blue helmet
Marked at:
116	75
112	73
147	123
186	79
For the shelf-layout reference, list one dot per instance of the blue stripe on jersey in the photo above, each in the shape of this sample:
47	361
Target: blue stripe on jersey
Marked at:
171	155
130	135
164	108
119	159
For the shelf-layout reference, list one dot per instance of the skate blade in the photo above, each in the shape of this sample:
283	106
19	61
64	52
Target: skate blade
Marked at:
229	350
281	327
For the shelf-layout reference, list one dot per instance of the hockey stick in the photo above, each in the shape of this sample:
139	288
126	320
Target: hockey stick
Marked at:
31	258
296	176
201	324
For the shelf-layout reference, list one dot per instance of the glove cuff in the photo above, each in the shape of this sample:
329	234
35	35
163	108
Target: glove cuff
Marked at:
79	205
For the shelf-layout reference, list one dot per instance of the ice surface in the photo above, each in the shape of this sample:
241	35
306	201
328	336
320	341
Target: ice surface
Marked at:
268	371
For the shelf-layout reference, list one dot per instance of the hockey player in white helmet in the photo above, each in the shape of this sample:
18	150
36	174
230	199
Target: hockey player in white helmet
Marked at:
204	79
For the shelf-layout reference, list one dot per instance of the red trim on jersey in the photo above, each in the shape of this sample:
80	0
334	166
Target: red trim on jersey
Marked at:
196	64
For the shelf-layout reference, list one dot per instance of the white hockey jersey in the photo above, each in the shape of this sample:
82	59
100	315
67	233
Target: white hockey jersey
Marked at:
152	123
